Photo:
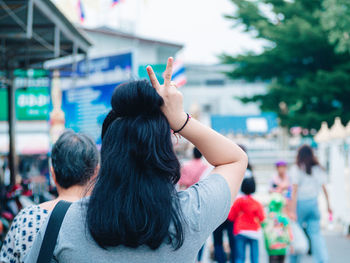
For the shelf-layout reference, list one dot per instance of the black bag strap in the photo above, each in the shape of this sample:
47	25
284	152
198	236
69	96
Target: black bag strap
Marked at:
52	230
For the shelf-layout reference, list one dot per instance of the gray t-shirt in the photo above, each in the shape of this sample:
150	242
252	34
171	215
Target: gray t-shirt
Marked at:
309	186
205	206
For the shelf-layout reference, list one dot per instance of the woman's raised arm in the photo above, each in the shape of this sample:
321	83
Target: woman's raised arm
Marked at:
228	158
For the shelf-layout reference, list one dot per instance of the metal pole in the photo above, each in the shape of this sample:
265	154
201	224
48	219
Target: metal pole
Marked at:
75	52
12	157
75	64
57	42
29	31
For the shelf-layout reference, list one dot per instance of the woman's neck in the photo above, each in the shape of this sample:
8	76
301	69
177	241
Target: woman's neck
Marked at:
72	194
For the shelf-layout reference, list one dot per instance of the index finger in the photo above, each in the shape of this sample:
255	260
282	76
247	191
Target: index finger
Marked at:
153	78
168	72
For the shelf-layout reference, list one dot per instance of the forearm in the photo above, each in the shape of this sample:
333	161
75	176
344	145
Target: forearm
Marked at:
293	205
217	149
229	159
326	196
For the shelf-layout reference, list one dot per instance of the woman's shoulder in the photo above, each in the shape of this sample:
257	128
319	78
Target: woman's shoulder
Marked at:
320	173
246	200
255	201
34	211
77	210
318	168
30	219
208	201
295	172
212	184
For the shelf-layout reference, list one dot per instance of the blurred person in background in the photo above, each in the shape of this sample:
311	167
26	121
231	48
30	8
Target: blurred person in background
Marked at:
2	169
134	209
75	160
280	182
277	230
220	254
7	174
192	171
308	179
219	251
247	215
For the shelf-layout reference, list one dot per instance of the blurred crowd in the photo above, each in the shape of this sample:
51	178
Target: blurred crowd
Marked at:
288	225
32	186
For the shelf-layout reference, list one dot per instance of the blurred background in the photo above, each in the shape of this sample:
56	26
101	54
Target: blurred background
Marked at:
270	74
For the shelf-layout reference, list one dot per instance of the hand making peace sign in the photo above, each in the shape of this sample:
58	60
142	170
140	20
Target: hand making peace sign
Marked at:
173	100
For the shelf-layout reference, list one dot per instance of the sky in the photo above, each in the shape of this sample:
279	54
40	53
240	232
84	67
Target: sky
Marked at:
198	24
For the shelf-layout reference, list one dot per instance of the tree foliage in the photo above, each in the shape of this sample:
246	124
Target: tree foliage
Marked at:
336	19
307	68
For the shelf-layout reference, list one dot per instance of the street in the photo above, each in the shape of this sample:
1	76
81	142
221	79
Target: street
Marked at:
338	247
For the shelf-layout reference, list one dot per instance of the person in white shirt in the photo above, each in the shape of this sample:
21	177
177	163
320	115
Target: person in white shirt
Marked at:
308	179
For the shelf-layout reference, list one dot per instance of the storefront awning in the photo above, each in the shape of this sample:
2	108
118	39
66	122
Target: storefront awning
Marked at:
27	144
31	32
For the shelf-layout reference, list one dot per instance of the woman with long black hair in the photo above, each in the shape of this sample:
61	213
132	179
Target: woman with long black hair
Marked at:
134	213
308	179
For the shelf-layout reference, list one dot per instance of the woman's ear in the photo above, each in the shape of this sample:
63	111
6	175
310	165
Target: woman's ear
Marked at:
53	175
97	169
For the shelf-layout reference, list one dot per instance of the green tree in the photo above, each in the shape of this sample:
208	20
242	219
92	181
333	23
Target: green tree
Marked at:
336	19
309	78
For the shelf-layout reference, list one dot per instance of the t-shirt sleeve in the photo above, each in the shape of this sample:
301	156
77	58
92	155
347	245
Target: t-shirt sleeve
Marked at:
234	210
206	205
261	213
294	175
321	175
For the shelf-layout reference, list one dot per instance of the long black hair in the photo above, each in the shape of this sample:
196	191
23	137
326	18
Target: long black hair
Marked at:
134	201
306	159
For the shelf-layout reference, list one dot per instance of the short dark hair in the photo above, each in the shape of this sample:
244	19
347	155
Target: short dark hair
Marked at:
74	159
196	153
248	186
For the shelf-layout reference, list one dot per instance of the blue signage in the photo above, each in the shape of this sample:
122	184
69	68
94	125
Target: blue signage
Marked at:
103	64
87	104
86	107
247	124
86	67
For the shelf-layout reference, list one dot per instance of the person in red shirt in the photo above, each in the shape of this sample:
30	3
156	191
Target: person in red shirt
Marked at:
248	214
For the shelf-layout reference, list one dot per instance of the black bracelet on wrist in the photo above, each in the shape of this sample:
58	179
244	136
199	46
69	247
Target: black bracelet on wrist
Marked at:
188	118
